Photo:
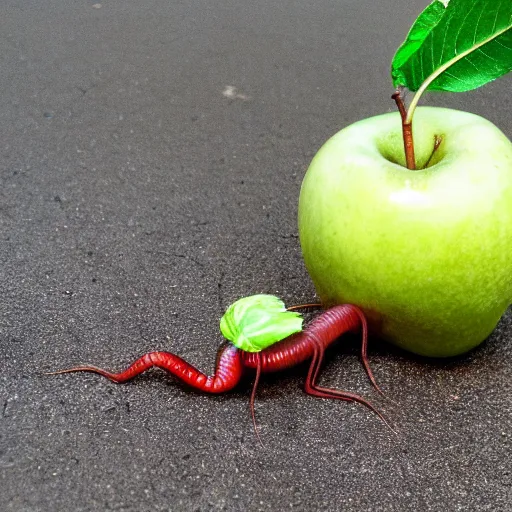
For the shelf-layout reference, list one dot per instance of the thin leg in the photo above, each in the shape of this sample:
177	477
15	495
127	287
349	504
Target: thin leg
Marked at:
313	389
310	387
303	306
364	351
253	395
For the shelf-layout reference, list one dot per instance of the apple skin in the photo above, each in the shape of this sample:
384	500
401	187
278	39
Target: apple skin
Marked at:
426	254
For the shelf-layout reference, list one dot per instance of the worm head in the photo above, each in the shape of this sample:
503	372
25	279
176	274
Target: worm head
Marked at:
258	321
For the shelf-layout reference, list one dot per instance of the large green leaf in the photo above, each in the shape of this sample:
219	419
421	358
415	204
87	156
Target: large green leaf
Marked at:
457	48
256	322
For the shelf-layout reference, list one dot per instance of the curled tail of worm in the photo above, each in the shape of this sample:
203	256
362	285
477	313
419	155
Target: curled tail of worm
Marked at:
228	370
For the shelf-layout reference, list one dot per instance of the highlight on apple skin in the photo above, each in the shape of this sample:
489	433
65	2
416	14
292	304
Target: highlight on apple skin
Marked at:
426	254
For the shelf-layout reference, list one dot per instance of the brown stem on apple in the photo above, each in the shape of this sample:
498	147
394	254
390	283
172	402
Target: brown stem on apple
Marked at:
437	142
406	131
397	96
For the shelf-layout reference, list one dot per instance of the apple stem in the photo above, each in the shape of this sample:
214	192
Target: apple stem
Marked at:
410	160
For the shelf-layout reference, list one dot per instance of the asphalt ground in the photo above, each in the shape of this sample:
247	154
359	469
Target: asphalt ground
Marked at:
151	156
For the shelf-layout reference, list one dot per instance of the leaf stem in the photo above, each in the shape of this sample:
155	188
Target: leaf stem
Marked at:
410	159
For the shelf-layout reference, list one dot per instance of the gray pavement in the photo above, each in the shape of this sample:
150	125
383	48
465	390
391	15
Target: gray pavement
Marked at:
151	155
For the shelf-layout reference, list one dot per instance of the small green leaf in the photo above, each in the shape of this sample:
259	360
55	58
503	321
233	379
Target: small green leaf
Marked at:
256	322
457	48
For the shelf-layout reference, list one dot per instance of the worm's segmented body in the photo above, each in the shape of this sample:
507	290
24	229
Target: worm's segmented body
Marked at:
297	348
231	361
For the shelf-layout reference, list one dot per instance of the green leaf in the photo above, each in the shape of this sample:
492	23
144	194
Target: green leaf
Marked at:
457	48
422	27
256	322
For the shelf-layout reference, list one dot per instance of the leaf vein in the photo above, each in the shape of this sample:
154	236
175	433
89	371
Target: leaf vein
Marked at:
444	39
446	73
472	63
460	29
478	22
501	44
432	51
421	62
485	55
495	18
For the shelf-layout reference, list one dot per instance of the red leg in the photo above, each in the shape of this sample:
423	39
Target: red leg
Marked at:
325	329
313	389
253	395
364	350
228	370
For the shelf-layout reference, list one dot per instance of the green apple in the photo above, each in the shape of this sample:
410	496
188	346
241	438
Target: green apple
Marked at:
426	254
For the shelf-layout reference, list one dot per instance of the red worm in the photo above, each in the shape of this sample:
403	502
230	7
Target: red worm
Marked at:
231	361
